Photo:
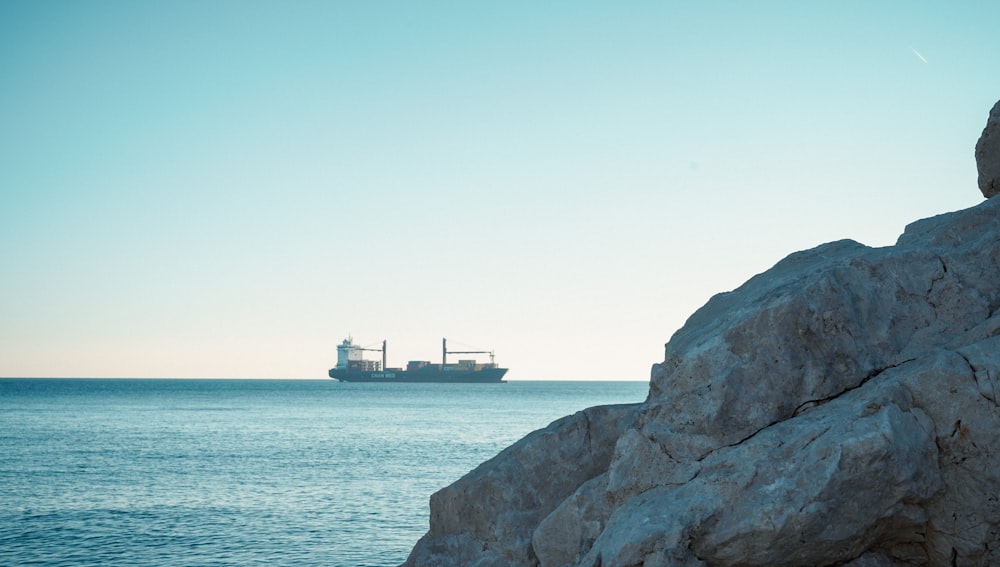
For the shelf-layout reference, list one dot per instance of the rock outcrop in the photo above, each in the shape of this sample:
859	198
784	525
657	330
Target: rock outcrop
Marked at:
842	408
988	155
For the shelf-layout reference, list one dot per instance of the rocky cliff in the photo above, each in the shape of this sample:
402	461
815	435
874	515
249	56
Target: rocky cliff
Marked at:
842	408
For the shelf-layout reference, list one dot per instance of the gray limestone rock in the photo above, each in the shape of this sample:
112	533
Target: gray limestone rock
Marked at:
988	154
487	517
841	408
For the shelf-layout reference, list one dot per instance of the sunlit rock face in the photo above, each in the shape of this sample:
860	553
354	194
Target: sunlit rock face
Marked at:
988	155
842	408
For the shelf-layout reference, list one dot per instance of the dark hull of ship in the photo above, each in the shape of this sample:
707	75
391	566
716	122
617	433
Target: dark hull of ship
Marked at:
481	376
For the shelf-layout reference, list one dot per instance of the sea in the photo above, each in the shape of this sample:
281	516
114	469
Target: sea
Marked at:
249	472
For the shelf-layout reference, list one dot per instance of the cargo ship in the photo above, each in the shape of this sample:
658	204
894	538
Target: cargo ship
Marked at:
353	367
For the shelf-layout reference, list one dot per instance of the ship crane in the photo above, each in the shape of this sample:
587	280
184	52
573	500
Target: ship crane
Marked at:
445	352
382	350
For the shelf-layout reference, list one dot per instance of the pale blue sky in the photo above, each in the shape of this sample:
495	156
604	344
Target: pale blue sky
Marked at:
228	189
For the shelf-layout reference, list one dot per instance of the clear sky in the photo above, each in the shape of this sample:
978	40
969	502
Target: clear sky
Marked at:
229	189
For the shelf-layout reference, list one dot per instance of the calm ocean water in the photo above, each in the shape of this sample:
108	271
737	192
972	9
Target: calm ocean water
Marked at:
249	472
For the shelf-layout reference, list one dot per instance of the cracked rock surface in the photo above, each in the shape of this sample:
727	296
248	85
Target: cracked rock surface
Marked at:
839	409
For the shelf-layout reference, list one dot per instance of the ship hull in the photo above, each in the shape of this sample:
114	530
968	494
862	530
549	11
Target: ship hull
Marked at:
449	376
